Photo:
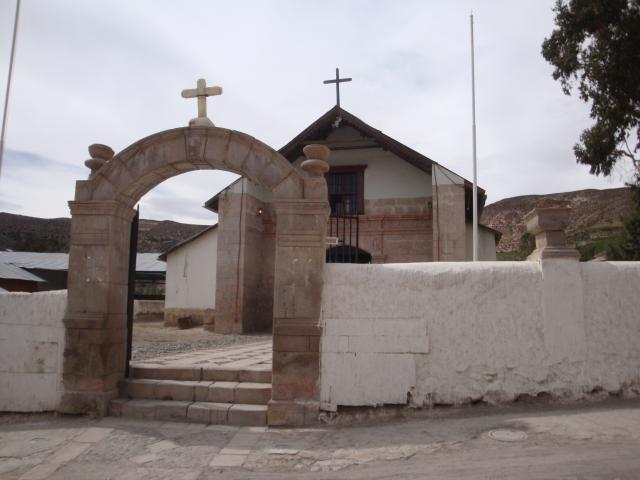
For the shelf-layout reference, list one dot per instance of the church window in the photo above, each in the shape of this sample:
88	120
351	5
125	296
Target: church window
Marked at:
346	190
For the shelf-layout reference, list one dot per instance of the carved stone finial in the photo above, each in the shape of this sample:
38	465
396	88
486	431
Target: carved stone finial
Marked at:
100	154
316	164
548	225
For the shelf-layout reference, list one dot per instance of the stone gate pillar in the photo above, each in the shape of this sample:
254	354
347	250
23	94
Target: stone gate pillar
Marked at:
563	326
449	229
301	229
95	321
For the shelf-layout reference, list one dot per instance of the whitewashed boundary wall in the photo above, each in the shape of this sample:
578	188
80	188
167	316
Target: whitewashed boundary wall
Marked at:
31	349
451	333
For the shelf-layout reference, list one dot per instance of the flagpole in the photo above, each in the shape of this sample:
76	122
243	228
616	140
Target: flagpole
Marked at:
6	95
475	167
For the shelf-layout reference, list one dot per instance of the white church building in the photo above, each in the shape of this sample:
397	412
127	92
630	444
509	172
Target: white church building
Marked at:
389	204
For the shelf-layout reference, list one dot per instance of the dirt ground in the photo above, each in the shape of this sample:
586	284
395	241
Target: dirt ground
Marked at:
153	339
581	442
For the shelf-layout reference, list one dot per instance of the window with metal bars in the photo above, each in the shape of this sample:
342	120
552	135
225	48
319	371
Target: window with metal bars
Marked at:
346	190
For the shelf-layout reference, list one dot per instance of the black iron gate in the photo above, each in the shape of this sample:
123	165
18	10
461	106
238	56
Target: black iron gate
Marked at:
131	290
345	232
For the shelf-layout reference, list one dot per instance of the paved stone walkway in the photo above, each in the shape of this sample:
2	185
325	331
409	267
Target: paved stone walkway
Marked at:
590	442
253	355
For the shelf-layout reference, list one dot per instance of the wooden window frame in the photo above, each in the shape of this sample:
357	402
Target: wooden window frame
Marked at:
359	171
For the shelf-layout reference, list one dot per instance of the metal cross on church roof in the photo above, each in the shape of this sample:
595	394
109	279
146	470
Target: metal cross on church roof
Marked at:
338	81
201	92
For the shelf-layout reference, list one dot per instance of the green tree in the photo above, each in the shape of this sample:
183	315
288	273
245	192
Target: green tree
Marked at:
596	48
627	246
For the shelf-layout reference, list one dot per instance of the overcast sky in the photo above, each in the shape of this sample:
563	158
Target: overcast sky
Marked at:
112	72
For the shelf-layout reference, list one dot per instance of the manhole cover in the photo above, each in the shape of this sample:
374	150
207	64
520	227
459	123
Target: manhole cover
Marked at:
505	435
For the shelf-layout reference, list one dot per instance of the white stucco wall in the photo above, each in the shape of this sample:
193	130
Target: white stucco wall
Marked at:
386	175
486	243
450	333
191	273
31	350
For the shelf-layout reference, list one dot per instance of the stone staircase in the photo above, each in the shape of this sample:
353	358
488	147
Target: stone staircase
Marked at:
210	394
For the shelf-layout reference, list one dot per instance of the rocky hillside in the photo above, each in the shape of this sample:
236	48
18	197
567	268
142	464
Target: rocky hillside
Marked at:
32	234
594	213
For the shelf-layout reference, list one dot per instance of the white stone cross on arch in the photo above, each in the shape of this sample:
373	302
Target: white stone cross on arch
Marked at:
201	92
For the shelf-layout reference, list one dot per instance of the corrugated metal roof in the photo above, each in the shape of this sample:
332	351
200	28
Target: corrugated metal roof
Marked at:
148	262
145	262
44	261
12	272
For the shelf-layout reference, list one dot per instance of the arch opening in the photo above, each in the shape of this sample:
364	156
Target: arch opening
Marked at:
102	212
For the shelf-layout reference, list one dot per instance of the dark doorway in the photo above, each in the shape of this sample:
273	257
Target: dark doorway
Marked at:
347	254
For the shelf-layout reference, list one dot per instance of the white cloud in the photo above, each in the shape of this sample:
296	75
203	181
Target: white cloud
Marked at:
112	72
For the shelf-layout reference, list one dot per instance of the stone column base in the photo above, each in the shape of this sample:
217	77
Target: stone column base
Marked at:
83	403
554	252
292	413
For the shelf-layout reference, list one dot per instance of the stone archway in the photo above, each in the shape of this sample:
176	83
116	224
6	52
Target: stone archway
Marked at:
102	211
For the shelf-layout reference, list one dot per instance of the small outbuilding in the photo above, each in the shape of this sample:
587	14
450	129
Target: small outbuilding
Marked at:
190	289
16	279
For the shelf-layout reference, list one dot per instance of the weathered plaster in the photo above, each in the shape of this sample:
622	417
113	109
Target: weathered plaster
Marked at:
31	347
488	331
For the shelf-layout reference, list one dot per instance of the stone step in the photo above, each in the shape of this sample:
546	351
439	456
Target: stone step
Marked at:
197	412
189	373
253	393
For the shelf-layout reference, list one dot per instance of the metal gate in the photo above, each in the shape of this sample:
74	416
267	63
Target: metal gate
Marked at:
131	290
345	232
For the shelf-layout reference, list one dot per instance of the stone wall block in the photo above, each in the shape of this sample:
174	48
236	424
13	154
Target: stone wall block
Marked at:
196	142
183	167
91	297
290	188
156	155
237	150
117	174
216	148
102	188
81	225
291	343
83	191
315	188
295	375
293	298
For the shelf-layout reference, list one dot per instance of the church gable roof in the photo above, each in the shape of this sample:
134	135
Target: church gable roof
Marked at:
322	127
319	130
163	256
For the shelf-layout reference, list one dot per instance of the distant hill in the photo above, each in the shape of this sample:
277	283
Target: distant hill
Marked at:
594	214
32	234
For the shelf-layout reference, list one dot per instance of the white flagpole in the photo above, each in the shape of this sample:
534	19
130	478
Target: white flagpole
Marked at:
475	167
6	96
